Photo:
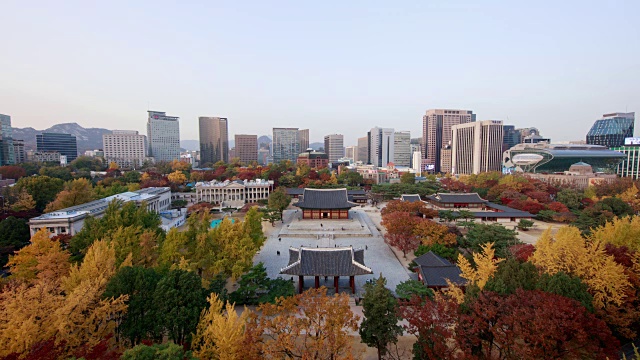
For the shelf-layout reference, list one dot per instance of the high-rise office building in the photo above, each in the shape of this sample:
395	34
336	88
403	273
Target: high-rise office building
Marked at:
6	131
163	136
247	148
363	150
303	139
476	147
350	152
334	147
381	146
436	132
126	148
511	137
286	144
214	140
402	148
612	129
65	144
415	147
18	151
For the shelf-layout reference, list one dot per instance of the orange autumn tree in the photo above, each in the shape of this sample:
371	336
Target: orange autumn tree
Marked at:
400	231
310	325
431	233
415	208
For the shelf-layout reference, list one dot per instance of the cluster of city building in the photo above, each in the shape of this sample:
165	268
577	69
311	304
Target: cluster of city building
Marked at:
452	142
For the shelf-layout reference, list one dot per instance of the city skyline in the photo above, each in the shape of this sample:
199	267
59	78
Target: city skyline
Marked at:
515	63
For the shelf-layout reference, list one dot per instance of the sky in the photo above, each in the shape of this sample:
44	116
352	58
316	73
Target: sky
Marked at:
330	66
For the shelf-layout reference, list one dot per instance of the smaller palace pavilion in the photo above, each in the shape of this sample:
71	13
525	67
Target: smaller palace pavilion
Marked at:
325	204
327	262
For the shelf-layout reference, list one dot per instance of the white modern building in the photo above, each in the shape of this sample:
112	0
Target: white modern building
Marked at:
351	152
476	147
126	148
163	135
402	148
233	194
71	220
334	147
381	146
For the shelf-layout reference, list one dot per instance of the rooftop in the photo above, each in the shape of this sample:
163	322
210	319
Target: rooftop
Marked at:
220	184
467	198
98	206
324	199
410	198
436	270
342	261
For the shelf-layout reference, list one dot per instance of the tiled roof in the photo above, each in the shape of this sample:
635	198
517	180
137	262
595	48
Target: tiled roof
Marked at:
325	199
344	261
436	276
410	198
431	259
468	198
435	270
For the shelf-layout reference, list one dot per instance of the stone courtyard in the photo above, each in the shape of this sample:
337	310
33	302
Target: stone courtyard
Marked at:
358	231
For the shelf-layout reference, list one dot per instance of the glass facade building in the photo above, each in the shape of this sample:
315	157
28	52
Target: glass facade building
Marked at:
611	130
65	144
7	157
630	166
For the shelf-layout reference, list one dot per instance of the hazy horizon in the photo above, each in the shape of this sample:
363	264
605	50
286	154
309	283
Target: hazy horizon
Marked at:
332	67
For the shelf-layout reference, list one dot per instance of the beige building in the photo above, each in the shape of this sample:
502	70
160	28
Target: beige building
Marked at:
127	148
436	132
247	148
363	150
233	194
334	147
580	176
445	160
303	140
214	140
351	152
476	147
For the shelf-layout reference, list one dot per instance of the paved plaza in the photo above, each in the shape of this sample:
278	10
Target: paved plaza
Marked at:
359	232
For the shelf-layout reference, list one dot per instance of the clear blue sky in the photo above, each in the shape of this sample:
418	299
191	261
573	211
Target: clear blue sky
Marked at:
330	66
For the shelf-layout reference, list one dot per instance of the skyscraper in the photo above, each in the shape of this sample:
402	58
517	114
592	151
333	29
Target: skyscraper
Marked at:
612	129
334	147
511	137
7	157
350	152
126	148
65	144
476	147
402	148
286	144
163	136
247	148
214	140
436	132
303	140
381	146
363	150
18	151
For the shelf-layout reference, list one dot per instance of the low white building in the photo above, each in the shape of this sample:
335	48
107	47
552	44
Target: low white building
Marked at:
233	194
71	220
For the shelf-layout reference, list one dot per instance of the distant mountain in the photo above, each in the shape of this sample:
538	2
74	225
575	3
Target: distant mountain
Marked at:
87	138
264	139
190	145
316	145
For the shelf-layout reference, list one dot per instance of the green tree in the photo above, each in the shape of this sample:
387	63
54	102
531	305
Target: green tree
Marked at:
379	328
570	198
76	192
466	215
448	215
132	176
410	288
525	224
615	205
350	178
545	215
255	288
59	172
179	298
512	275
438	249
568	286
14	235
480	234
271	215
253	226
139	284
43	189
408	178
278	199
166	351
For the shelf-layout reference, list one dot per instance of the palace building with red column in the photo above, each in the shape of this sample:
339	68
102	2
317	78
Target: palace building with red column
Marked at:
325	204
